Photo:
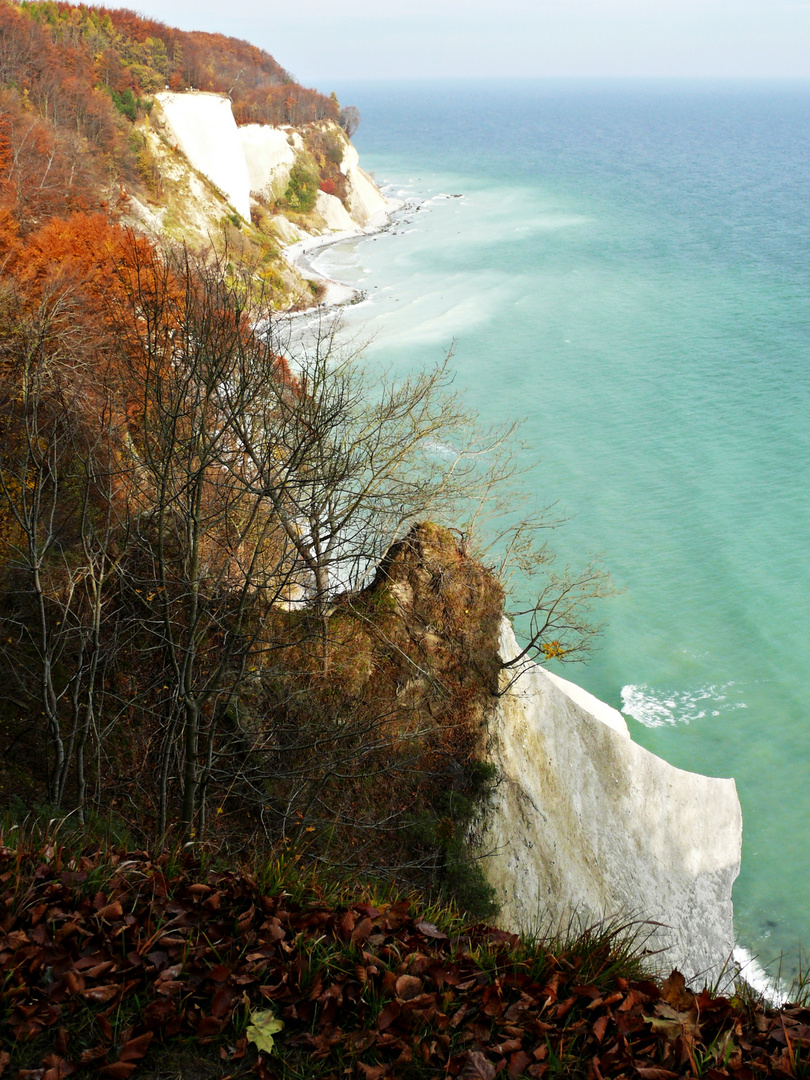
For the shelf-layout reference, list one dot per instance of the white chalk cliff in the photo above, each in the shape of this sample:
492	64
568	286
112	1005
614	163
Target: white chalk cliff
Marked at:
202	127
257	160
270	154
366	204
585	823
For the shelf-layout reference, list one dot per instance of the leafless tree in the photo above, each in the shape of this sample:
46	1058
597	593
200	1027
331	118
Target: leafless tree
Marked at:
206	553
59	523
185	503
350	119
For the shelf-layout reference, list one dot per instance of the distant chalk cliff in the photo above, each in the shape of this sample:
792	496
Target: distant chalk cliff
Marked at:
257	159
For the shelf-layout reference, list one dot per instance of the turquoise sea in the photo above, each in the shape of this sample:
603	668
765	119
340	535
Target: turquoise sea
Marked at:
628	267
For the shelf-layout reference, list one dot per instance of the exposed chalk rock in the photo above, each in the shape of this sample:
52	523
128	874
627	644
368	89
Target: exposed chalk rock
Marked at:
367	204
586	823
258	158
203	128
270	156
286	231
334	213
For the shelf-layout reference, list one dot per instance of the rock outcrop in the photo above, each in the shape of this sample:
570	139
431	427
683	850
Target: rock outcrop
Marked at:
585	824
202	127
270	154
257	160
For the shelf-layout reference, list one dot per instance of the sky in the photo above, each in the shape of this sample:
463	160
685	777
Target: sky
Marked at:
322	40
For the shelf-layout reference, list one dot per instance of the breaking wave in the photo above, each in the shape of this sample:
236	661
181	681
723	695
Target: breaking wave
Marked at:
655	707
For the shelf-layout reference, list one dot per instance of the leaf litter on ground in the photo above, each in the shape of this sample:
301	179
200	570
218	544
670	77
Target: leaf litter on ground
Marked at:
108	956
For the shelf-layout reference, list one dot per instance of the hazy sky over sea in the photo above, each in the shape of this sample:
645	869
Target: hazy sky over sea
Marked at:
319	40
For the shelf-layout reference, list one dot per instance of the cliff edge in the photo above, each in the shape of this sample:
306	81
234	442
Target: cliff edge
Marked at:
586	824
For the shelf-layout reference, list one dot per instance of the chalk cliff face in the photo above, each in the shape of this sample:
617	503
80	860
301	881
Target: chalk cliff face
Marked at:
203	128
586	823
257	160
270	155
366	204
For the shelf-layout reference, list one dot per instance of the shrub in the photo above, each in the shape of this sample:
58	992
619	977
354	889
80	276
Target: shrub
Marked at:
302	189
126	103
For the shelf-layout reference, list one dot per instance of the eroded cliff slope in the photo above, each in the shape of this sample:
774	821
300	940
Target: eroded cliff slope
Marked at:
268	193
582	823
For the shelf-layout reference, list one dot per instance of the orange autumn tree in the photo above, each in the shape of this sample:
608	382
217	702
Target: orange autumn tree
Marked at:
9	226
129	521
62	470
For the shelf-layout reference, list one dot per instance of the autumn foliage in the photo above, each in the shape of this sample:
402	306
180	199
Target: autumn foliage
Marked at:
74	78
153	451
114	51
139	951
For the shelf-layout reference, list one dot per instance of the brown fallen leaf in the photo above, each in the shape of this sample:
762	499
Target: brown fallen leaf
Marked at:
92	1054
564	1007
599	1027
99	969
594	1072
223	1002
134	1049
245	921
27	1029
518	1064
508	1047
57	1068
476	1067
100	994
674	991
431	931
111	911
362	931
372	1072
408	986
199	889
74	982
65	931
119	1070
360	1041
208	1027
388	1015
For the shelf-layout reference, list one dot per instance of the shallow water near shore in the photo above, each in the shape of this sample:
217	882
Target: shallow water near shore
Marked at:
627	266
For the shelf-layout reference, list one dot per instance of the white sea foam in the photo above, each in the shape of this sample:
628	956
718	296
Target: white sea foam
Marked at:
655	707
758	978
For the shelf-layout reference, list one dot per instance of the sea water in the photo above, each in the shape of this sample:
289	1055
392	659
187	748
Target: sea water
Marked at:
626	266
